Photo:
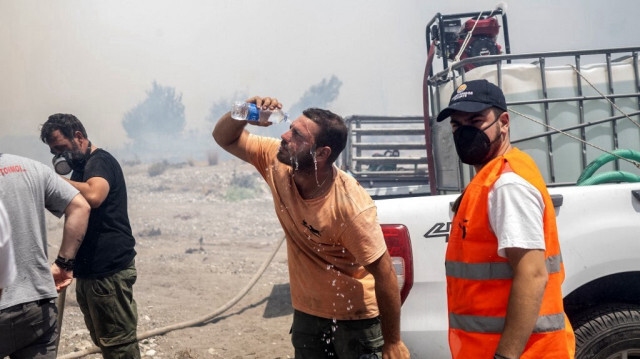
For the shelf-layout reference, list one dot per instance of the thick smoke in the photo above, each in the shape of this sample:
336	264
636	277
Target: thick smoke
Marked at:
156	126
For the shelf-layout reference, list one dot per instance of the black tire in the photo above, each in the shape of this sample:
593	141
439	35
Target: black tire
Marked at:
608	332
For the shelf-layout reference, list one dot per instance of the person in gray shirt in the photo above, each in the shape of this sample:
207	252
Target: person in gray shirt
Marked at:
28	314
7	261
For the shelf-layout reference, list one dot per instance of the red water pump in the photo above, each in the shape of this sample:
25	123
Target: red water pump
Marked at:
483	40
448	33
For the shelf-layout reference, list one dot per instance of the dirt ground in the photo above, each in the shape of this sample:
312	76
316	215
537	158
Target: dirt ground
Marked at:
201	234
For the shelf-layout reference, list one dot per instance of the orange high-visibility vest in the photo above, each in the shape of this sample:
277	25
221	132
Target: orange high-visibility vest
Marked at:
479	281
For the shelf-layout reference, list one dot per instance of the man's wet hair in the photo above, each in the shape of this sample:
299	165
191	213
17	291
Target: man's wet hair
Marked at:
67	124
333	131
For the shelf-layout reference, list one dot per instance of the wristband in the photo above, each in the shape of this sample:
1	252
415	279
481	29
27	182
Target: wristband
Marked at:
65	264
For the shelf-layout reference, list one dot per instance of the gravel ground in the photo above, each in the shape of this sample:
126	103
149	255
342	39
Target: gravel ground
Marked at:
201	233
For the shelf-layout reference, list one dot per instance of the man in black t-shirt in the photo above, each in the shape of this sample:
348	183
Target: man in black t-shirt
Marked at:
104	265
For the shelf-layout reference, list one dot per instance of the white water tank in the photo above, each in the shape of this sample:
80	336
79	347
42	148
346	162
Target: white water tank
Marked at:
523	82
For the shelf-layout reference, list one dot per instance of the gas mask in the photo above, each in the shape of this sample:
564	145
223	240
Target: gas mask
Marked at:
473	145
68	161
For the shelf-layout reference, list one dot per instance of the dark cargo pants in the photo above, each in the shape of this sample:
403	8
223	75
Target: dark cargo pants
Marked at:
110	312
314	337
29	330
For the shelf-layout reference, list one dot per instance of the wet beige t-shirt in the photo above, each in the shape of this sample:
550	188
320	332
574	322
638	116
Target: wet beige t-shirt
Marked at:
329	239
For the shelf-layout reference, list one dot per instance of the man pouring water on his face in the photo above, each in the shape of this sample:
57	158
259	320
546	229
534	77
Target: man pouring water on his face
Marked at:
343	286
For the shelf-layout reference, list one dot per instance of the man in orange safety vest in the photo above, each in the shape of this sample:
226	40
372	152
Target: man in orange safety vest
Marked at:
503	263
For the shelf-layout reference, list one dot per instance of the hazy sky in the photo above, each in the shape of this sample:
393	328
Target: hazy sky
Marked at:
96	58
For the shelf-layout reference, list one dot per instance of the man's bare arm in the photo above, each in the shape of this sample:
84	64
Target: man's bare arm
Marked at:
75	227
529	281
231	135
95	190
388	298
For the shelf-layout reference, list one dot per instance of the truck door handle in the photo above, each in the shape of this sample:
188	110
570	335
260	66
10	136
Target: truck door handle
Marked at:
557	200
636	194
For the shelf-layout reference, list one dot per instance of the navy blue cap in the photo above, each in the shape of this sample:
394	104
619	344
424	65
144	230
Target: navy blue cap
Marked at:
474	96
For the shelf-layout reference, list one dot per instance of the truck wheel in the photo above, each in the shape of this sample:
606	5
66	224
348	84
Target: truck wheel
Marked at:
608	332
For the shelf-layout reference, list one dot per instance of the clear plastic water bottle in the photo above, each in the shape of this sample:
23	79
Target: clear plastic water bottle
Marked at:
251	112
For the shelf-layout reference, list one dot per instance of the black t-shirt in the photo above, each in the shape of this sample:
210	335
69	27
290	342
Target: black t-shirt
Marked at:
108	245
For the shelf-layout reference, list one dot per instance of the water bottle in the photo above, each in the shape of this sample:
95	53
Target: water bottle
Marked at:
251	112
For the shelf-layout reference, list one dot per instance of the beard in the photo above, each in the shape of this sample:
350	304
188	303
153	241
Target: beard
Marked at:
75	149
77	159
301	161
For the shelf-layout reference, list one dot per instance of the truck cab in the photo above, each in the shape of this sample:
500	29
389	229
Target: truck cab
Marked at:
577	114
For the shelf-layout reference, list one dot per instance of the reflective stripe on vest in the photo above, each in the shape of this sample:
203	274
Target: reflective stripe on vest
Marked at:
480	324
494	270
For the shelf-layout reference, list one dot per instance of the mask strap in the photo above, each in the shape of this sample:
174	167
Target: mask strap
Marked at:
492	123
484	129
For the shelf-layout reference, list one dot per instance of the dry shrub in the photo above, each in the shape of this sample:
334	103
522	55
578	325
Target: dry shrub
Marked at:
212	158
150	232
243	180
158	168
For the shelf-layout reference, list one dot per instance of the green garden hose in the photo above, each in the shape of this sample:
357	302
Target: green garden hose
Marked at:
587	178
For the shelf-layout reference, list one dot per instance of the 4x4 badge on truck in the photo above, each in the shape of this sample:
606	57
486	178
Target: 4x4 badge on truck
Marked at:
439	230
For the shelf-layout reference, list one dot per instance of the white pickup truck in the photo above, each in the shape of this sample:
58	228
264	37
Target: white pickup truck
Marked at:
599	224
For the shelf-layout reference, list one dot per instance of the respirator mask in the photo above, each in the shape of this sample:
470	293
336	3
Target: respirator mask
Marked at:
473	145
67	161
